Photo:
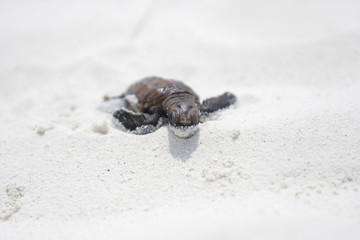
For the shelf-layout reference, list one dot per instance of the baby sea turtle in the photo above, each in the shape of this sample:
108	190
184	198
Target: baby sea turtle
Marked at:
152	99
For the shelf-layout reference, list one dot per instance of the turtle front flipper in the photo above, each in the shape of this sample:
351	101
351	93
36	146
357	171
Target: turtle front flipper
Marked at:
213	104
131	121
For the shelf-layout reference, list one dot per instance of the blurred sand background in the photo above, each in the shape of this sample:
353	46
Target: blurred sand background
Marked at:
284	164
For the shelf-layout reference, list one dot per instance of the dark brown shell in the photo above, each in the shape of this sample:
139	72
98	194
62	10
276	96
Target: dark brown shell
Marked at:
154	90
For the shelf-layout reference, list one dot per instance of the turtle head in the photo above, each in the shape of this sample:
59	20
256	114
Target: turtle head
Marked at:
183	114
184	117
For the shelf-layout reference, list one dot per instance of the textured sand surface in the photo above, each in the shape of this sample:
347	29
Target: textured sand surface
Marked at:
284	163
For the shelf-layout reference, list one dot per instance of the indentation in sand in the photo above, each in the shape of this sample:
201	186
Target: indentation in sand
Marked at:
41	130
14	192
100	128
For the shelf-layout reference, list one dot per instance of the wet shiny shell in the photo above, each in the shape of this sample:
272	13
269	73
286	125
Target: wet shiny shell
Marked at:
154	90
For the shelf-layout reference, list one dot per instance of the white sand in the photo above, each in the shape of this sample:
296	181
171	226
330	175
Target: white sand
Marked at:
285	163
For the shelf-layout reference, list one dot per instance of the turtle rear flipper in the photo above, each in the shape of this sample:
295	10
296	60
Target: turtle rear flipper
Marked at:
213	104
107	98
132	121
112	104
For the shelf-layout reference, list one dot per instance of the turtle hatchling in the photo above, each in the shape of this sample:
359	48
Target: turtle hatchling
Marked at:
150	102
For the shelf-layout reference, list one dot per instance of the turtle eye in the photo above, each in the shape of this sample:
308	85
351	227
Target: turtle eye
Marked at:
173	118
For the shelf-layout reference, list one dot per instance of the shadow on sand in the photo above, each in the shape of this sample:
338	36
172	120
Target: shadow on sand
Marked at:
181	148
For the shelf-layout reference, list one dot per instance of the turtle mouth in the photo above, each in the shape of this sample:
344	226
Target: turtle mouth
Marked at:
184	131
